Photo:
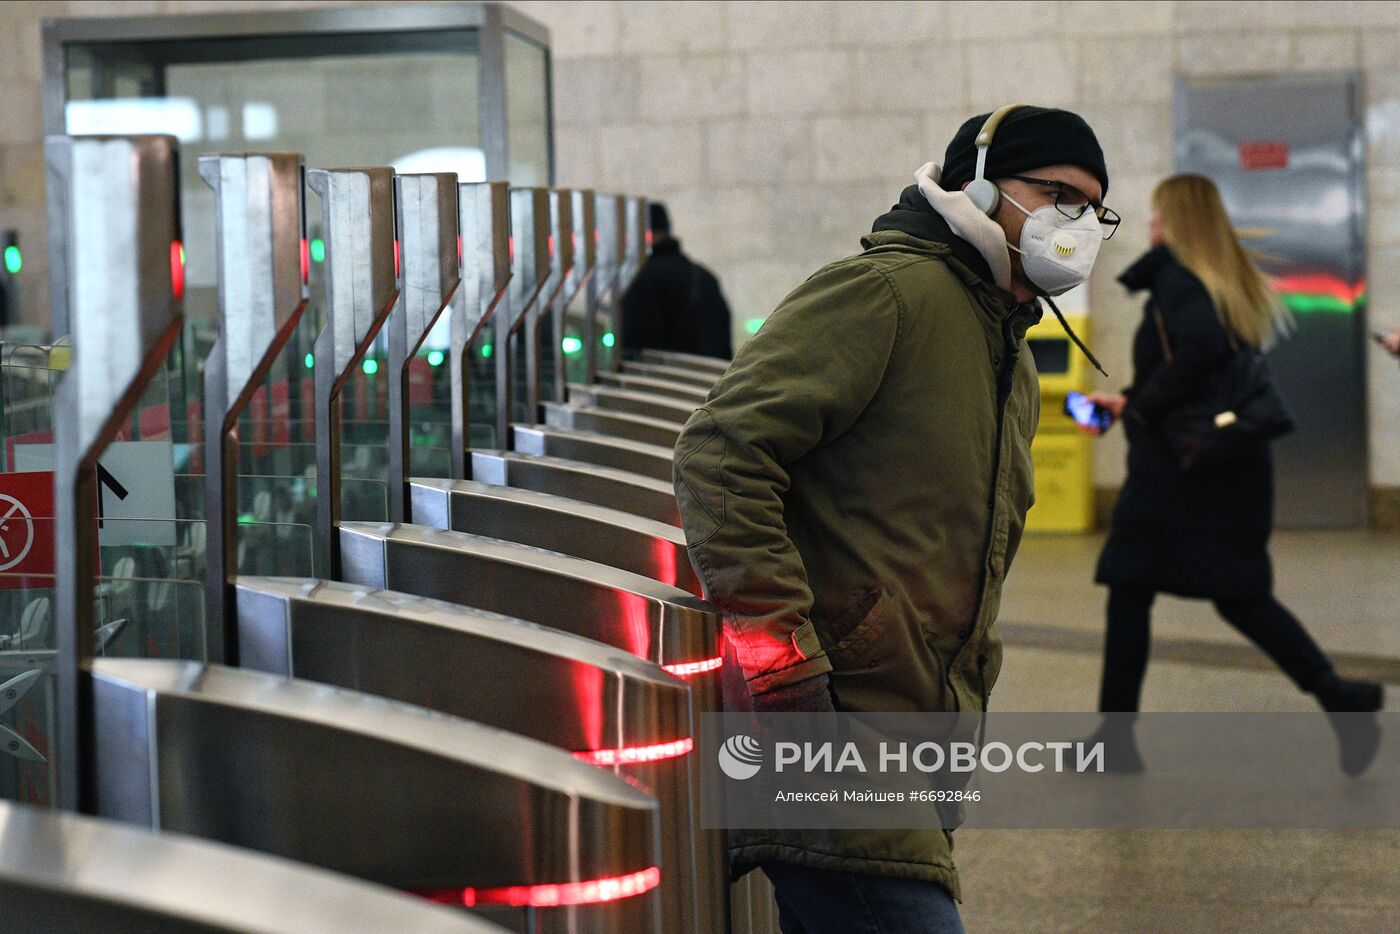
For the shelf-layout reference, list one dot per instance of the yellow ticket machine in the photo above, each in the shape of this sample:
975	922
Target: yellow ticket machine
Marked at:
1063	455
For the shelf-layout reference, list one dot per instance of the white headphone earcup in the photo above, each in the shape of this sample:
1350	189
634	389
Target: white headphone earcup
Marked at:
984	195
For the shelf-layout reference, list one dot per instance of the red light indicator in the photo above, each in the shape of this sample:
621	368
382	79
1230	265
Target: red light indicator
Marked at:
552	895
551	244
510	248
396	259
459	248
305	261
177	270
648	239
688	669
597	236
636	755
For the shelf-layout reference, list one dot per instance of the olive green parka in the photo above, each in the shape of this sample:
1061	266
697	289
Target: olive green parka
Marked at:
853	492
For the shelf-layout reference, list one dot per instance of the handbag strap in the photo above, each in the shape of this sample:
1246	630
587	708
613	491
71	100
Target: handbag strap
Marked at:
1162	332
1230	337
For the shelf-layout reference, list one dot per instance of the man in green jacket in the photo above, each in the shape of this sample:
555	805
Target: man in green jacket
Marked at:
856	485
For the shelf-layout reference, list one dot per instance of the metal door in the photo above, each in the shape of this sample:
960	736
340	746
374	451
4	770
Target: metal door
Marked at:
1286	152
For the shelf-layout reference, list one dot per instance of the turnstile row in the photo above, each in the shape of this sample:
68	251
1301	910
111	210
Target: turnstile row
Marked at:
308	629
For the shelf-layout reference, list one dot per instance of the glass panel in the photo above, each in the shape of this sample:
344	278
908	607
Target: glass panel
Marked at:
137	617
481	392
527	112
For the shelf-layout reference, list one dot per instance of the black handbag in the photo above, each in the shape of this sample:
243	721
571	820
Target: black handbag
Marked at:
1238	409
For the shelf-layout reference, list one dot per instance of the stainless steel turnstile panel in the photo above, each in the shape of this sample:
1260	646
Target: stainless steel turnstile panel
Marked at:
617	424
556	523
606	706
604	486
687	377
686	360
657	387
634	613
637	403
362	785
592	447
61	873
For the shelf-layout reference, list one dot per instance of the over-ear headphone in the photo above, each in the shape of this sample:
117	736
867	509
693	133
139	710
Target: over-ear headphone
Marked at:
985	195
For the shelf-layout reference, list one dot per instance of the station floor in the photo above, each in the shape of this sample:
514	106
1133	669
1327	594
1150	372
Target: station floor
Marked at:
1345	587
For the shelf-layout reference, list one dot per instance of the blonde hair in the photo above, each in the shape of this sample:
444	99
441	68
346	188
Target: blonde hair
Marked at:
1198	232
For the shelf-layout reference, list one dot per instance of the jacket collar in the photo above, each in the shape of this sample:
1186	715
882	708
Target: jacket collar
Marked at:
1143	273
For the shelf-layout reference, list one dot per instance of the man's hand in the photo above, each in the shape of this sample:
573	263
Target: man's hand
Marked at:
810	696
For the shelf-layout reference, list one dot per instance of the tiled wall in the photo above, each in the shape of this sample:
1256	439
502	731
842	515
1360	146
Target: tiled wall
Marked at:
777	131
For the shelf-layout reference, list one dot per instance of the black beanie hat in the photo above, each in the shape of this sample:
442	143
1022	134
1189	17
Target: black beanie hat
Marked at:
660	220
1028	138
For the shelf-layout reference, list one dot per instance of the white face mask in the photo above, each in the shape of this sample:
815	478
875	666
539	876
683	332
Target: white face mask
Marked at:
1057	252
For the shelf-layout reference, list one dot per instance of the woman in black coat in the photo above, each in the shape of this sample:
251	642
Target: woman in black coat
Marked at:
1203	534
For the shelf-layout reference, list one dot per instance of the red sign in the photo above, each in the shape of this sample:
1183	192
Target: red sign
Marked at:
1262	155
26	530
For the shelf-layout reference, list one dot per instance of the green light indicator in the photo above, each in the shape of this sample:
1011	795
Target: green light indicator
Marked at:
753	324
182	254
247	519
318	250
609	339
435	358
486	350
572	345
309	360
370	367
14	260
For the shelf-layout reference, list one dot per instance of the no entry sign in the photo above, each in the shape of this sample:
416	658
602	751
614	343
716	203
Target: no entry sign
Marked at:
26	530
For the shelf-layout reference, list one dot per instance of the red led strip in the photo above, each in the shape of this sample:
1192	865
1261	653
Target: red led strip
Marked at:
686	669
177	270
305	261
552	894
636	755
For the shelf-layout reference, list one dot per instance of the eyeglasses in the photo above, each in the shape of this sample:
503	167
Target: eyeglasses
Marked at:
1072	203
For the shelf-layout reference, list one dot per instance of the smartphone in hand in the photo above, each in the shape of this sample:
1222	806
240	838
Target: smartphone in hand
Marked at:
1089	414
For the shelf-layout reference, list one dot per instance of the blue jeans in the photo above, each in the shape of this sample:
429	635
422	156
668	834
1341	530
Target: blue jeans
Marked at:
822	901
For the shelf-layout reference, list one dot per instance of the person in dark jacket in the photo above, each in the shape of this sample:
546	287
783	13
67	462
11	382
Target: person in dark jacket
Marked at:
1203	534
674	303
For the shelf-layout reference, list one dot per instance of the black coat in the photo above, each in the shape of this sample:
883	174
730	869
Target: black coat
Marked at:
1199	535
675	304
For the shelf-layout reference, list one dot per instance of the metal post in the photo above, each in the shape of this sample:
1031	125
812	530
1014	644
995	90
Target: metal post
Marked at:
426	211
580	275
608	211
561	262
260	239
116	249
529	208
357	211
483	210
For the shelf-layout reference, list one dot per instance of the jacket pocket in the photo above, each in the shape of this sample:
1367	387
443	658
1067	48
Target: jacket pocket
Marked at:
854	636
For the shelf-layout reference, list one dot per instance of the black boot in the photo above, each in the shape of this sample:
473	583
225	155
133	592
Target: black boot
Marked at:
1351	707
1120	752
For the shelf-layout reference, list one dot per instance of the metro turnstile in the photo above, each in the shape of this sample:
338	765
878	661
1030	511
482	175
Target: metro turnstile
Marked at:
676	374
638	382
594	447
618	424
630	401
272	763
687	361
608	536
65	874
